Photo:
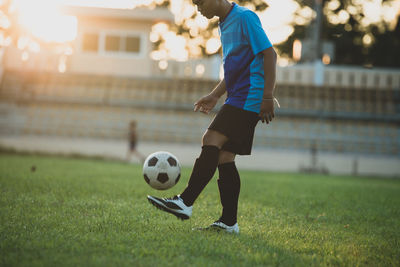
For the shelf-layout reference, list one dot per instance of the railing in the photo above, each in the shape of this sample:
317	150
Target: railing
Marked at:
301	74
330	118
210	69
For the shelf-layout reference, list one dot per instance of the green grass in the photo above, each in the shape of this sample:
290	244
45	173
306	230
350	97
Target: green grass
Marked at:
83	212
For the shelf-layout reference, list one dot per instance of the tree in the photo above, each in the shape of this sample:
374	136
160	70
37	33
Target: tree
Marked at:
385	50
8	27
199	34
357	38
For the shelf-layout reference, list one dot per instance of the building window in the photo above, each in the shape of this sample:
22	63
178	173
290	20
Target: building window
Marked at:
90	42
113	43
132	44
122	44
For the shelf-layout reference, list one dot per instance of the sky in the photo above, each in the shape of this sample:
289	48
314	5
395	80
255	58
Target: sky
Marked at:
40	16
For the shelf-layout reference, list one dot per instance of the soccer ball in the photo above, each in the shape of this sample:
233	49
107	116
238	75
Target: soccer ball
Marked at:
161	170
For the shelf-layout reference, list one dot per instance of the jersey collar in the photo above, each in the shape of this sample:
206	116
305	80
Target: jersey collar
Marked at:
233	4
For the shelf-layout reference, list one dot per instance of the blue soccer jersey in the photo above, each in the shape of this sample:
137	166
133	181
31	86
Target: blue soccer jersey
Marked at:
243	39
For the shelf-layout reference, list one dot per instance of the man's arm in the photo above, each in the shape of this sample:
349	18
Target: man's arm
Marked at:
220	89
208	102
267	105
269	72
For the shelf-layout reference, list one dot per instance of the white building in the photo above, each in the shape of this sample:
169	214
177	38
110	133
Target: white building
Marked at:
115	41
109	42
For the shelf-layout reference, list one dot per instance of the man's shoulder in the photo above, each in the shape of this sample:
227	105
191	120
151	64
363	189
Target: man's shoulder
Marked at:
244	11
245	14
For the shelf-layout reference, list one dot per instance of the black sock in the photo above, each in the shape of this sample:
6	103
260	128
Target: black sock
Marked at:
229	189
203	170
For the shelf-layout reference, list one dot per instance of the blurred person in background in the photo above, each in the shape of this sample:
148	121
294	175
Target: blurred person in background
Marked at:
133	140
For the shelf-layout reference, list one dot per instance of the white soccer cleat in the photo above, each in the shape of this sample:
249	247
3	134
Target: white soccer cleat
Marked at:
220	226
230	229
172	205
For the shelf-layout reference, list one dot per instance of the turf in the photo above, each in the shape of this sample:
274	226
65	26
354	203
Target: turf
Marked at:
58	211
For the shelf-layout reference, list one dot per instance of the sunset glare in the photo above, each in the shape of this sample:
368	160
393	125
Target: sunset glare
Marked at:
44	19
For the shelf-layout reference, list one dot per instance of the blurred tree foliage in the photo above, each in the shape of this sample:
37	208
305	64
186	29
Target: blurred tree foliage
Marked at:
184	28
8	27
356	42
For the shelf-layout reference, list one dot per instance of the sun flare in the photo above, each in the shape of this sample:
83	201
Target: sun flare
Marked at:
44	20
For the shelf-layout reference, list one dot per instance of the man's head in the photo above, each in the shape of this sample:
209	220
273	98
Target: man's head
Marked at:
211	8
206	7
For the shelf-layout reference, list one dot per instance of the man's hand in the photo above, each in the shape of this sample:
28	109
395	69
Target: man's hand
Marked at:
206	103
267	110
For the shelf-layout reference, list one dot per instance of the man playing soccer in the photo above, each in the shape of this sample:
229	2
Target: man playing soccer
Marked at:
249	80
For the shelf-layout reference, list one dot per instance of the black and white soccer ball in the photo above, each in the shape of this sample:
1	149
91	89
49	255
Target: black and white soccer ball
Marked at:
161	170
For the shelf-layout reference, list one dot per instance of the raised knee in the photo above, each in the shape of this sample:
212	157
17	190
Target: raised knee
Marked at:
213	138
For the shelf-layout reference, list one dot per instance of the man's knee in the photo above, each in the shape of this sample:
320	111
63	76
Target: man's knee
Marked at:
213	138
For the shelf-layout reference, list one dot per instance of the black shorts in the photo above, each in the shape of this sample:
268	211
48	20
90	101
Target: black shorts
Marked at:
238	125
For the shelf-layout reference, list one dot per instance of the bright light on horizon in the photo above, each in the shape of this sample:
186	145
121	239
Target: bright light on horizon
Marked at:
45	21
43	18
119	4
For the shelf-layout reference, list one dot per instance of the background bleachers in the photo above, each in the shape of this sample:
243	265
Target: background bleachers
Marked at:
348	119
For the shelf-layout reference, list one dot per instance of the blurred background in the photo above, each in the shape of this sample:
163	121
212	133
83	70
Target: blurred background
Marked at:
74	74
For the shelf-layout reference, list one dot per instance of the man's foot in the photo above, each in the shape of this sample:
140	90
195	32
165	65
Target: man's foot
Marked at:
220	226
172	205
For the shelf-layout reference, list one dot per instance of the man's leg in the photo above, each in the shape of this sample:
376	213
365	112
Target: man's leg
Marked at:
229	187
205	166
203	170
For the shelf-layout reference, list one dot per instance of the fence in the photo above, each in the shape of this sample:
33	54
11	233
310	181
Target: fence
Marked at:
340	76
209	69
301	74
329	118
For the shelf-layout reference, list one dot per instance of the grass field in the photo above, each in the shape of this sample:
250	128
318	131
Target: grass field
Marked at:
58	211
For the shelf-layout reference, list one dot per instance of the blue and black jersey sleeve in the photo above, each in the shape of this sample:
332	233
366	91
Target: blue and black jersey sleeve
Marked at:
254	33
